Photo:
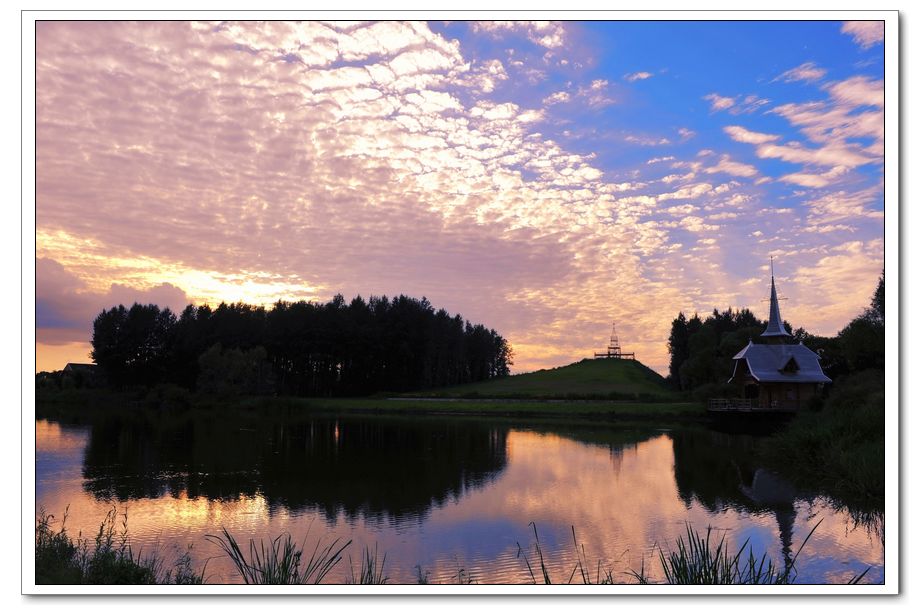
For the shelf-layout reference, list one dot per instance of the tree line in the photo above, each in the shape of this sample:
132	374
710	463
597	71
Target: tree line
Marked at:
297	348
701	350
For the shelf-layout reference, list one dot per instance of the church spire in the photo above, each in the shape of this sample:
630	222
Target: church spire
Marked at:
775	328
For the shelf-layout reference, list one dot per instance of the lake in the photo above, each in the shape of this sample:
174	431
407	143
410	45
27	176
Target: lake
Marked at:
454	498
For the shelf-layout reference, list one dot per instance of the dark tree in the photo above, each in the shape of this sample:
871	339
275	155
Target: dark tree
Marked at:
678	347
336	348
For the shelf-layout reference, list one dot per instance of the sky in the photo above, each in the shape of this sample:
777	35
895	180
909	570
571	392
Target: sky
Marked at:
542	178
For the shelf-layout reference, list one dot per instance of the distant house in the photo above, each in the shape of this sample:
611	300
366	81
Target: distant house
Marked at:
776	375
81	375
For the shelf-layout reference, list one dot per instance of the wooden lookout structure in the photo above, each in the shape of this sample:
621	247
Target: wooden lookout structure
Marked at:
613	348
775	376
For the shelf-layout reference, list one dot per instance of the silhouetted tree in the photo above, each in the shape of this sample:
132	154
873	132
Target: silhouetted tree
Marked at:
336	348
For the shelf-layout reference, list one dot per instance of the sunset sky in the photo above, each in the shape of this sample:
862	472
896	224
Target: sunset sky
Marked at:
544	179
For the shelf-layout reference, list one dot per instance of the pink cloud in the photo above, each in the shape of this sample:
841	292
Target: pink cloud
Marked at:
865	33
808	72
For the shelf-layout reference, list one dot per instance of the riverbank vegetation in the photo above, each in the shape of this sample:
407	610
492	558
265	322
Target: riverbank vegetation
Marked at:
696	560
106	560
839	449
173	403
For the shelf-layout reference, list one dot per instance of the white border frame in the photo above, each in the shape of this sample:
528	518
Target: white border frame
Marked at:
893	425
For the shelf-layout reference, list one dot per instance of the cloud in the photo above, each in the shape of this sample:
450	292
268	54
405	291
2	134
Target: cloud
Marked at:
594	94
696	224
814	180
839	286
548	34
732	167
65	307
646	140
842	205
859	91
865	33
839	126
206	158
640	76
807	72
719	103
248	161
735	105
743	135
556	98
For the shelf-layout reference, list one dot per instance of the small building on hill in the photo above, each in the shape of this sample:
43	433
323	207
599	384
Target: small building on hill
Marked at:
778	374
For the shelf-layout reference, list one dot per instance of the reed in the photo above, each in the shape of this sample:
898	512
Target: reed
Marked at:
371	569
581	569
108	559
281	561
699	560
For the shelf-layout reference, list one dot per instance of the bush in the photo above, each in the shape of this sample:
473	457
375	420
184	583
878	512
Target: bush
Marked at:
839	450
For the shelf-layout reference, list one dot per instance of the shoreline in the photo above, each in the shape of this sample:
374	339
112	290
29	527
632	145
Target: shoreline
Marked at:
88	402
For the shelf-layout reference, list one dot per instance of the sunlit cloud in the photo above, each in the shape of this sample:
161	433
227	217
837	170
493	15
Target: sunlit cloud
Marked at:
719	103
807	72
639	76
208	162
743	135
865	33
544	33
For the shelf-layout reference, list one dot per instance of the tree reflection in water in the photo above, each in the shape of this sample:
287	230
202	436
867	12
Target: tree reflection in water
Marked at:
376	469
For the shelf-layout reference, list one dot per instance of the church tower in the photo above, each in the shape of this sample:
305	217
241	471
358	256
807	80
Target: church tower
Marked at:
776	332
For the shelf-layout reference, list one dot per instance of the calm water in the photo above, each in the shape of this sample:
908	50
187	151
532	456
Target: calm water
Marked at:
447	495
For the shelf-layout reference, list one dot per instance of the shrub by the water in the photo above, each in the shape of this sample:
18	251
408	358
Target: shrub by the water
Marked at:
839	449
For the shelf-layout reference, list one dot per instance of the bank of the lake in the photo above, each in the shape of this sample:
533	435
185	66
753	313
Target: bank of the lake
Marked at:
173	401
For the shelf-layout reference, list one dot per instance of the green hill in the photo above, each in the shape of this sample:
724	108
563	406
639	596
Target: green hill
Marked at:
588	379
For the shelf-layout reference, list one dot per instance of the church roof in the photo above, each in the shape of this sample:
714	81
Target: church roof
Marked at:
775	328
771	363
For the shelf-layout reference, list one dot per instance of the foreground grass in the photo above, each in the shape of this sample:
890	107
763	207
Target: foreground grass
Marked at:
697	560
281	561
108	559
839	449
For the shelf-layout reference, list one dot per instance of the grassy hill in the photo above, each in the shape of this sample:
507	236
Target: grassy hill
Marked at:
588	379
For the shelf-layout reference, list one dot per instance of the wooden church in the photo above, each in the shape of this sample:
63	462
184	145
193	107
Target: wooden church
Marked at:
776	375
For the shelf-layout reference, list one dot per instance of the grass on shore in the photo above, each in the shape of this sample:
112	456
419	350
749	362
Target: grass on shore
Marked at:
699	561
109	559
58	560
281	561
598	379
82	404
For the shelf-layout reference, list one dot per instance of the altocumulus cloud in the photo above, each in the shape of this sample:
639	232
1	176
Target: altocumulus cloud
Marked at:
256	161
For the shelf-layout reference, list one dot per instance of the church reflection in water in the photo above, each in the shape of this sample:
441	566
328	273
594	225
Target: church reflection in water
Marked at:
717	469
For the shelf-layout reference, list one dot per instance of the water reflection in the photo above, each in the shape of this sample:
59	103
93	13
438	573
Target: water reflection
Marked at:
716	469
441	493
378	469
